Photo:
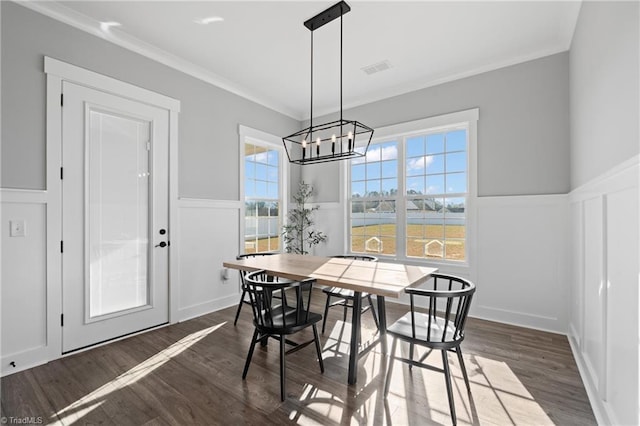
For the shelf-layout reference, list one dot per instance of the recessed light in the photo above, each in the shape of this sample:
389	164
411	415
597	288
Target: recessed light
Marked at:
209	20
106	26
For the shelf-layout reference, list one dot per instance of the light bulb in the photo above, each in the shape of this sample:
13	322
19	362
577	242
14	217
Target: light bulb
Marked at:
304	143
318	141
333	138
350	136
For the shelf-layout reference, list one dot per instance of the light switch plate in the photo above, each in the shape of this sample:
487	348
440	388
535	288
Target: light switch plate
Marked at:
18	228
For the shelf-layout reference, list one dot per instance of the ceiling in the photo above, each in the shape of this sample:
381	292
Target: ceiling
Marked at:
261	50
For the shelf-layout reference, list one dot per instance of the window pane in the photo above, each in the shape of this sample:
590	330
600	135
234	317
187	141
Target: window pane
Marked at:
435	164
249	188
415	147
456	183
457	140
390	169
262	183
261	189
417	165
261	171
357	172
249	169
435	144
358	189
415	185
272	174
373	188
455	250
373	170
357	207
435	184
273	158
457	162
272	190
389	186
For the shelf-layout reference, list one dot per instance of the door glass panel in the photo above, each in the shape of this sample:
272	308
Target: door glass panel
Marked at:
118	213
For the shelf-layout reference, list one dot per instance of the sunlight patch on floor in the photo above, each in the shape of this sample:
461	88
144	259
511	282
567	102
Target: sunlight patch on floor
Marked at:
84	405
494	386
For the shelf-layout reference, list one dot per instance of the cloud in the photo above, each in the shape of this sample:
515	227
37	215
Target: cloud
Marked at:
420	162
377	153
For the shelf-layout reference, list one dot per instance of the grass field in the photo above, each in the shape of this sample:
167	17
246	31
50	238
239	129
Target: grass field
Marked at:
420	241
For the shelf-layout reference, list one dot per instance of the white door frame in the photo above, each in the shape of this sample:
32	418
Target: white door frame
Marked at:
57	72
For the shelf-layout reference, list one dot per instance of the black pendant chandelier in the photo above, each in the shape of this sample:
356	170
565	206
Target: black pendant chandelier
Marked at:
337	140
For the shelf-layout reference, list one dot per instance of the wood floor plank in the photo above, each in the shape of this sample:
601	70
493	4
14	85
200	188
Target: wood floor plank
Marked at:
190	373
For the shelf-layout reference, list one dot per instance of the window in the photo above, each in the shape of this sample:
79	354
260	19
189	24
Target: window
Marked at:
264	207
410	194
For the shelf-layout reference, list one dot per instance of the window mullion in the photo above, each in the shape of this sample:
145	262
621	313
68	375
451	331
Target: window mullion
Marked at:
401	203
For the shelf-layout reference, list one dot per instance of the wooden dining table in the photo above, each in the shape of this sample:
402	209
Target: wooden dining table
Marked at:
382	279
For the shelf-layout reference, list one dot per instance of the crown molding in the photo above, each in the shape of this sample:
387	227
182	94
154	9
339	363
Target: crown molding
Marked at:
68	16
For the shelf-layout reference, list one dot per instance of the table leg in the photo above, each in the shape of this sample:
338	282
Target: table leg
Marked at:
382	320
355	338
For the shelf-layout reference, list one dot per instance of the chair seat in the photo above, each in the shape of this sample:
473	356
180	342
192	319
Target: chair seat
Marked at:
439	333
341	292
289	323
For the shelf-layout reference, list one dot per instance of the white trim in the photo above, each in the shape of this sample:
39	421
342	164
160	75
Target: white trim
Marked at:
469	118
204	203
204	308
599	411
57	72
429	123
107	84
70	17
261	138
617	177
14	195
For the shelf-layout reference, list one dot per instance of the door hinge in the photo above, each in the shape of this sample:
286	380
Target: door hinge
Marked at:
148	146
61	99
61	246
61	320
61	173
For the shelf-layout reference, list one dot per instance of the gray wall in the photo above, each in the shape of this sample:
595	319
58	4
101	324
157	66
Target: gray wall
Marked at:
604	88
208	122
523	131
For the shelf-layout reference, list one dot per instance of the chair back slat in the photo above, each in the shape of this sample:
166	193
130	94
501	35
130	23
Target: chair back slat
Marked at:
356	257
271	302
448	303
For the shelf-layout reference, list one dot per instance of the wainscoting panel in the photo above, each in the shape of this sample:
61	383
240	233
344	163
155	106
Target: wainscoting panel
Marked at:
207	235
603	329
521	261
24	281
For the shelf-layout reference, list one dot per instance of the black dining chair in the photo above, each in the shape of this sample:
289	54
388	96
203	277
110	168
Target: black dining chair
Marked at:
276	319
440	328
345	297
243	274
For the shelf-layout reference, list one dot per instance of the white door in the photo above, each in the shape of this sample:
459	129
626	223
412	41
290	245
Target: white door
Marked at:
114	216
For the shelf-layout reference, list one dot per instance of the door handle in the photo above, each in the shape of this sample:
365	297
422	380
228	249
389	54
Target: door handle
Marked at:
162	244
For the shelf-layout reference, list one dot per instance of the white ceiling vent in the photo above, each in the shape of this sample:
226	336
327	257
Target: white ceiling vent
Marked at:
380	66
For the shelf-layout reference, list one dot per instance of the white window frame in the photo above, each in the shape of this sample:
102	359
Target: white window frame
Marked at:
260	138
399	132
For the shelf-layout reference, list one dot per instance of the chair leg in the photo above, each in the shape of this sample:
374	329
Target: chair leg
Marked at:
373	311
282	367
326	312
392	358
344	311
254	340
410	355
239	306
463	368
447	380
318	350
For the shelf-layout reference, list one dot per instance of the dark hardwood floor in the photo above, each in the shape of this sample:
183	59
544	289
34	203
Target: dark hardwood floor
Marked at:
190	373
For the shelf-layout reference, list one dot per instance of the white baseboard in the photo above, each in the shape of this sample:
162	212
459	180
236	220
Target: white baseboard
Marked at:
24	360
200	309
